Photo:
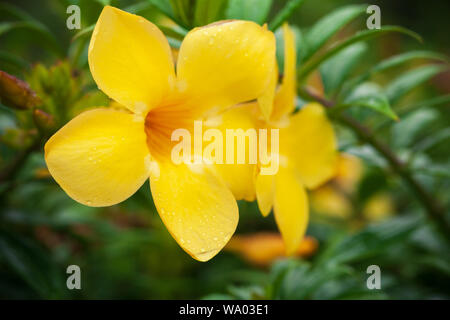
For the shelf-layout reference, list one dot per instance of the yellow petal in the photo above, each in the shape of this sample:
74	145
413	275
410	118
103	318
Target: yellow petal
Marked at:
285	97
99	158
266	100
290	208
130	59
310	145
227	62
265	192
237	177
196	207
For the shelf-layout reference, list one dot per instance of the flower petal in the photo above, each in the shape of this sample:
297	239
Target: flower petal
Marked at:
310	145
265	192
290	208
227	62
285	97
196	207
237	177
266	100
99	158
130	59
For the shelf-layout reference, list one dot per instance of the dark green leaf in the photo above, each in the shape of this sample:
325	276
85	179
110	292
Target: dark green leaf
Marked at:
253	10
406	131
316	61
371	241
284	14
369	95
391	63
411	79
327	26
207	11
336	70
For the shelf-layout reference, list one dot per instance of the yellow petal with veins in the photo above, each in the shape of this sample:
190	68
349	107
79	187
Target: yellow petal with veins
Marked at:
99	158
130	59
196	207
290	208
285	97
309	143
226	62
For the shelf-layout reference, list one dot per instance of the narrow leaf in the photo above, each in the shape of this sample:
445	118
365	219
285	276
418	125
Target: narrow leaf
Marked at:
336	70
365	35
391	63
254	10
326	27
369	95
284	14
409	80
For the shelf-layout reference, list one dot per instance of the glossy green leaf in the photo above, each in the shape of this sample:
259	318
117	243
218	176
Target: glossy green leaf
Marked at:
369	95
335	70
253	10
207	11
316	61
406	131
284	14
391	63
371	241
411	79
327	26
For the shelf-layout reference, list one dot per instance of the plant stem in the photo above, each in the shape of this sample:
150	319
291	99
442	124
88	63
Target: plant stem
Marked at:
433	208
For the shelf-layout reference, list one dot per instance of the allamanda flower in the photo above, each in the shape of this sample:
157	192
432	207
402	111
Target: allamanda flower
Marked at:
307	152
104	155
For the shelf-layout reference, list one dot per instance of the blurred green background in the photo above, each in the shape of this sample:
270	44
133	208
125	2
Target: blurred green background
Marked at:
366	215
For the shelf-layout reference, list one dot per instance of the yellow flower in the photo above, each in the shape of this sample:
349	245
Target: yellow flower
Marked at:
307	152
103	156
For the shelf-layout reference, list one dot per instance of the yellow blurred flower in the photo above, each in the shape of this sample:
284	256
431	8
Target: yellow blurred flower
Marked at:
378	207
103	156
327	200
349	171
335	198
307	151
265	247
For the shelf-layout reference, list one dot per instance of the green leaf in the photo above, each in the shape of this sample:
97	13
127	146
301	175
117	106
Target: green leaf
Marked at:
207	11
432	140
411	79
182	10
365	35
406	131
284	14
336	70
371	241
327	26
28	22
165	8
369	95
253	10
84	32
13	60
445	99
31	263
391	63
303	281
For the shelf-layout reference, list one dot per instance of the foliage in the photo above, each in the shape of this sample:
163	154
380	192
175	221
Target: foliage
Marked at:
390	110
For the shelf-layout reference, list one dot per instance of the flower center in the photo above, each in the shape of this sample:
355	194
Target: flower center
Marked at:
162	121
